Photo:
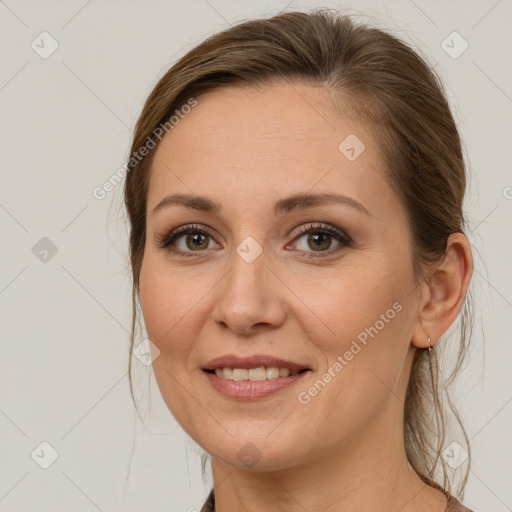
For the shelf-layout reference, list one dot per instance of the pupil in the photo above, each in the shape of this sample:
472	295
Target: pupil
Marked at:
197	239
319	240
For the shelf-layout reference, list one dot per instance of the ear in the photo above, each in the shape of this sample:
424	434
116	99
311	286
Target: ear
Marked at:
442	295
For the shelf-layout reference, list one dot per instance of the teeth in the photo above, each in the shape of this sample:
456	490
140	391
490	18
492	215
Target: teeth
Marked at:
254	374
272	372
240	374
258	373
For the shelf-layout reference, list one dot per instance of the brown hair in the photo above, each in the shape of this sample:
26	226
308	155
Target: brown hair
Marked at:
383	82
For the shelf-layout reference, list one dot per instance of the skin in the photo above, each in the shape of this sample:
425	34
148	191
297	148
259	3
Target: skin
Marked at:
246	149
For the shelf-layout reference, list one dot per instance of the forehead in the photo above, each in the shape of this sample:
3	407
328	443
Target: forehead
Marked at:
276	118
259	140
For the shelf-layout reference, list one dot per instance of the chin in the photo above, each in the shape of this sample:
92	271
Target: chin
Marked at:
254	454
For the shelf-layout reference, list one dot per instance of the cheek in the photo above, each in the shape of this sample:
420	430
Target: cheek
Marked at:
369	314
169	303
167	293
360	299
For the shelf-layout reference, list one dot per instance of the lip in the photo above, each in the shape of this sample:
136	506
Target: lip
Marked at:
254	361
252	390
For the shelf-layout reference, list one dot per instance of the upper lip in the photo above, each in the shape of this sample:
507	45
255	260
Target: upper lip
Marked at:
254	361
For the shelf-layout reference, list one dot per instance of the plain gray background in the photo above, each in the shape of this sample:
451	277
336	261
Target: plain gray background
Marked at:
66	125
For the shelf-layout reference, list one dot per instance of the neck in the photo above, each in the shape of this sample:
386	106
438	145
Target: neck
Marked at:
369	472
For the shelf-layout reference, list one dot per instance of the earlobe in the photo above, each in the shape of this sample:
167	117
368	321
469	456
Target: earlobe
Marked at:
442	297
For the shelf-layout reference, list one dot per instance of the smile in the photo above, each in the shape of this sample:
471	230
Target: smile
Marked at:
254	374
252	384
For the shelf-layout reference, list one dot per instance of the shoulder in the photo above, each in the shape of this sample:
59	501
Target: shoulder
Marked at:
209	504
454	505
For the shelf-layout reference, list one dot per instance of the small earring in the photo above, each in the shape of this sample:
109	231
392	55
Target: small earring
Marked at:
429	344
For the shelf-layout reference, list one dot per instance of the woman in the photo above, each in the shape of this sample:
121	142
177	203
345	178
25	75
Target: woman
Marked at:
295	199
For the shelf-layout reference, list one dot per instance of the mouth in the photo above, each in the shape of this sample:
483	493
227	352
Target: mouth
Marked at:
252	377
258	374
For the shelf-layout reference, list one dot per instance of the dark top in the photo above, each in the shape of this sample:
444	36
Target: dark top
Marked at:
453	505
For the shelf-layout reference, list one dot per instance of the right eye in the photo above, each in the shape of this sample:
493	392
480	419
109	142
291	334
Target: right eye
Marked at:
186	240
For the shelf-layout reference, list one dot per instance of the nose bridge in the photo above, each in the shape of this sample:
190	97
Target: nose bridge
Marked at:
245	298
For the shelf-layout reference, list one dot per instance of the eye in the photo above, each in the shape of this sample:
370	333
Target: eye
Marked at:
319	238
186	240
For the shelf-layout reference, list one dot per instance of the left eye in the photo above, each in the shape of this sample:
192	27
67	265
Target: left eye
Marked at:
319	238
316	242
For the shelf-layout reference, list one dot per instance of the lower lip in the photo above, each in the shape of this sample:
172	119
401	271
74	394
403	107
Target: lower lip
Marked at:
252	390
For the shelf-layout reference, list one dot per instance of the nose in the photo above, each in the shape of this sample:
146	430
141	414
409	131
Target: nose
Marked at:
250	299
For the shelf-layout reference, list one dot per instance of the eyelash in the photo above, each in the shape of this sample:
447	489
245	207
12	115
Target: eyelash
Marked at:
165	241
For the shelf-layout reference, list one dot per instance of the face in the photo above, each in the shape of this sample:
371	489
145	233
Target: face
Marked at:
324	284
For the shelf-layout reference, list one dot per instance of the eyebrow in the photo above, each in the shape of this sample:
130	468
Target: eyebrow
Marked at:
286	205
